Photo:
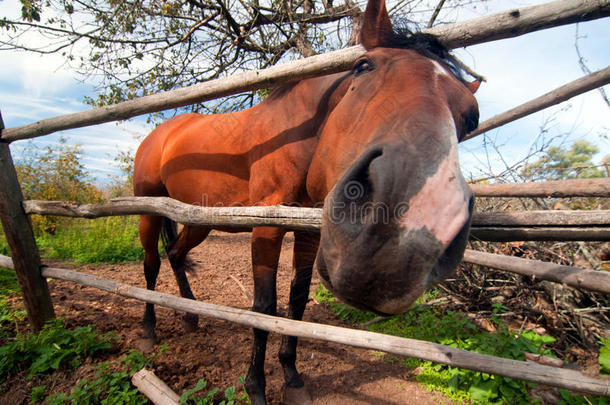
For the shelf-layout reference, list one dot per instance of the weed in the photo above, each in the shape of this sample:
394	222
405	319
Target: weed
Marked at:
51	348
38	393
109	385
230	395
9	316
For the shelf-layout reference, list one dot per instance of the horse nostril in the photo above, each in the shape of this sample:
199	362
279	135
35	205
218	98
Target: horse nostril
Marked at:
355	186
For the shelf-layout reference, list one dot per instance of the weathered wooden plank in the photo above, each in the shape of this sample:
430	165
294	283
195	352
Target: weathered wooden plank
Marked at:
586	279
544	189
237	217
20	238
288	217
561	218
558	377
512	234
154	388
6	262
505	24
557	96
520	21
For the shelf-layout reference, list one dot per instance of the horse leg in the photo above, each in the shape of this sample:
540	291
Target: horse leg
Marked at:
150	227
305	249
266	246
189	237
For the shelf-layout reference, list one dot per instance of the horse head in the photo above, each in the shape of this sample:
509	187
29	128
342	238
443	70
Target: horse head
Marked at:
397	210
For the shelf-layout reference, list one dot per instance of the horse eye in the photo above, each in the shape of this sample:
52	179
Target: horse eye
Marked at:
362	66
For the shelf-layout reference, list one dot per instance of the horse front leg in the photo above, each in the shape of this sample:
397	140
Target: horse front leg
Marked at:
305	249
266	247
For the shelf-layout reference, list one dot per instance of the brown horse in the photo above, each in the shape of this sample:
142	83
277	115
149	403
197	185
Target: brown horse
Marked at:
376	145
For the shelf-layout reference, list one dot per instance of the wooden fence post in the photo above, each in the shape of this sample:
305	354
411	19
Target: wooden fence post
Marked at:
20	237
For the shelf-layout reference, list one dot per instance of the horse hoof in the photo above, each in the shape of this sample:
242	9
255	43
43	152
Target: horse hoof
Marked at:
296	396
190	323
146	344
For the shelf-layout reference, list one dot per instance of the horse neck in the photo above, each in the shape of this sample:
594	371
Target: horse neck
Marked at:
307	102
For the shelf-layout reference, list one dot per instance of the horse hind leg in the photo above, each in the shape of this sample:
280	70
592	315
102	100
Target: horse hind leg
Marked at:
150	227
305	249
177	251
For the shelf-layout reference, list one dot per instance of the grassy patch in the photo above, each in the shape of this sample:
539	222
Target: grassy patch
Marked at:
103	240
53	347
455	330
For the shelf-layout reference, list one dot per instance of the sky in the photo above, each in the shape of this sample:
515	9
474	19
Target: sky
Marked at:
34	87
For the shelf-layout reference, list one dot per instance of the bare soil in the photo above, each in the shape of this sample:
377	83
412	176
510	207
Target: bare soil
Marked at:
219	351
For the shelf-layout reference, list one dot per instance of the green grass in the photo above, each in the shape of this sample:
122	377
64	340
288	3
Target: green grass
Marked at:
455	330
102	240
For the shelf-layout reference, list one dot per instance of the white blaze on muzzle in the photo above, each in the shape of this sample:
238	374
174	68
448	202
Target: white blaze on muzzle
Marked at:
441	206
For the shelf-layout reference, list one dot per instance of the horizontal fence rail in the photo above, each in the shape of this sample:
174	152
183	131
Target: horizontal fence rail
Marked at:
529	371
545	189
555	234
488	226
309	219
586	279
557	96
501	25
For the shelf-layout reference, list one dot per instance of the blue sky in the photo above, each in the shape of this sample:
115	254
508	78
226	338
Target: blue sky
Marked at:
34	87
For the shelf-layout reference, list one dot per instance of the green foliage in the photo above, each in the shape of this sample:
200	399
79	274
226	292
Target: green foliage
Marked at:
604	357
454	329
8	282
103	240
122	185
9	316
560	163
4	248
109	386
570	399
54	174
231	397
38	393
51	348
31	9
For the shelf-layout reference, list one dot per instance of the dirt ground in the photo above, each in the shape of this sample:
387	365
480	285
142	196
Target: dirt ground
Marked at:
219	351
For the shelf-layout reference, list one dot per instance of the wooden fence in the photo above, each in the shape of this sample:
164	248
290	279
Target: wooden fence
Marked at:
548	225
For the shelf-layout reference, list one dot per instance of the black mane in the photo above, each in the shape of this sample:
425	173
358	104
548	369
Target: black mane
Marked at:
427	45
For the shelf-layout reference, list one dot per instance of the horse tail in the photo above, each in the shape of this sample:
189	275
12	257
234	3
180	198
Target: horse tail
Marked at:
169	234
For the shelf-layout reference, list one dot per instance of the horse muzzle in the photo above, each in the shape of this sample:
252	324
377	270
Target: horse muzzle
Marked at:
392	226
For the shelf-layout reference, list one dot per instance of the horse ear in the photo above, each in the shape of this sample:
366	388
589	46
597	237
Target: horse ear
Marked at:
376	27
474	85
